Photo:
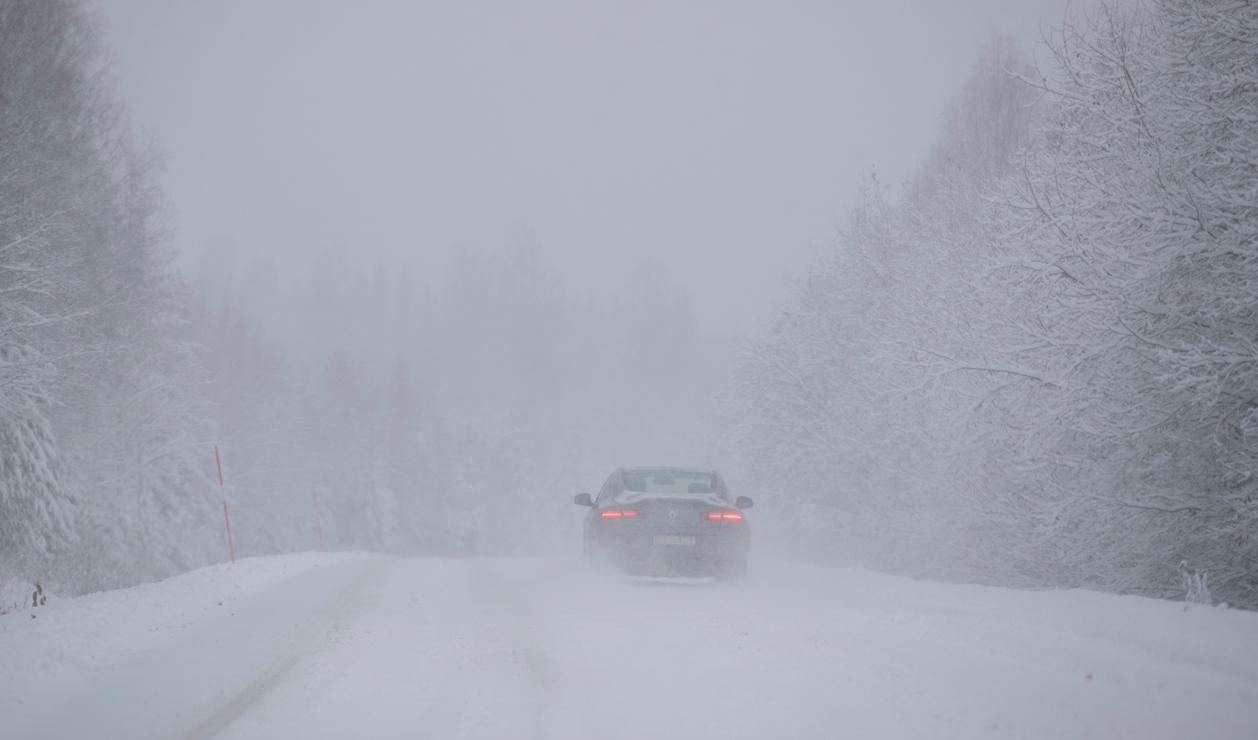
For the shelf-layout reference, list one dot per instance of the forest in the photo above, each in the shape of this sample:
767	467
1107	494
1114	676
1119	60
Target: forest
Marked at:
1036	365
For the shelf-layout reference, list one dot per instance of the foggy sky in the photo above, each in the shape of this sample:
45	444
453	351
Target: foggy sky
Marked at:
714	142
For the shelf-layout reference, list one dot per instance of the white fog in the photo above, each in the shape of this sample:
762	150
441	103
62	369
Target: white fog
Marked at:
607	369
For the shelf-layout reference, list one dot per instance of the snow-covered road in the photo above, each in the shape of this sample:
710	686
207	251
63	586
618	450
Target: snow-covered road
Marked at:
324	646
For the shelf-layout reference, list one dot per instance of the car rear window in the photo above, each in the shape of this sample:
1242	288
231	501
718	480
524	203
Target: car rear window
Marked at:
669	481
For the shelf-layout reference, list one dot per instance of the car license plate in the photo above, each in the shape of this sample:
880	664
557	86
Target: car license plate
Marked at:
675	540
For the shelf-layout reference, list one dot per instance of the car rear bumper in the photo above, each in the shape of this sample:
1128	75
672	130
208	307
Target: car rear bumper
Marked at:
673	553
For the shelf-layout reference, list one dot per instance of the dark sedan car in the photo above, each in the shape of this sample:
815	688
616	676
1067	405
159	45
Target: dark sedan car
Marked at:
667	522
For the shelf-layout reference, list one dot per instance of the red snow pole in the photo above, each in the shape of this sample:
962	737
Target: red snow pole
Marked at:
227	521
231	549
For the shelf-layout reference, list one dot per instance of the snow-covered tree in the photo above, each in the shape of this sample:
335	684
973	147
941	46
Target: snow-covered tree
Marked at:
1038	366
99	385
1139	228
48	113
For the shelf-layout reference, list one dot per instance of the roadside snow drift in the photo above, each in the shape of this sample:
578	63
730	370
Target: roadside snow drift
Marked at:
324	646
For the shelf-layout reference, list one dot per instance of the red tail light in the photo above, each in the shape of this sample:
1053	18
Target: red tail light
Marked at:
724	516
617	514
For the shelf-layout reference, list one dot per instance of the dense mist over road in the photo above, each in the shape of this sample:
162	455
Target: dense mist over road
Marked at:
412	311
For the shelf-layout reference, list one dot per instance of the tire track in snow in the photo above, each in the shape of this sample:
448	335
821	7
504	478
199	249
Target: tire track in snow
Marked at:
243	701
528	644
335	606
189	687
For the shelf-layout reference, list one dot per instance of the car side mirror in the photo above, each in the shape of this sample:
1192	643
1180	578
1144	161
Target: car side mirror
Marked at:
742	502
583	499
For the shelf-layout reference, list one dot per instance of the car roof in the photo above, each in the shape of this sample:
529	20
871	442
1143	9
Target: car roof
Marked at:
670	469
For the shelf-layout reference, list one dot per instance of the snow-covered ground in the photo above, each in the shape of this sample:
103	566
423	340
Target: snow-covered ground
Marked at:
338	646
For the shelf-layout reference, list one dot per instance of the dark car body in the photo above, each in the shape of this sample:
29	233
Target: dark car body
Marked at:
667	522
